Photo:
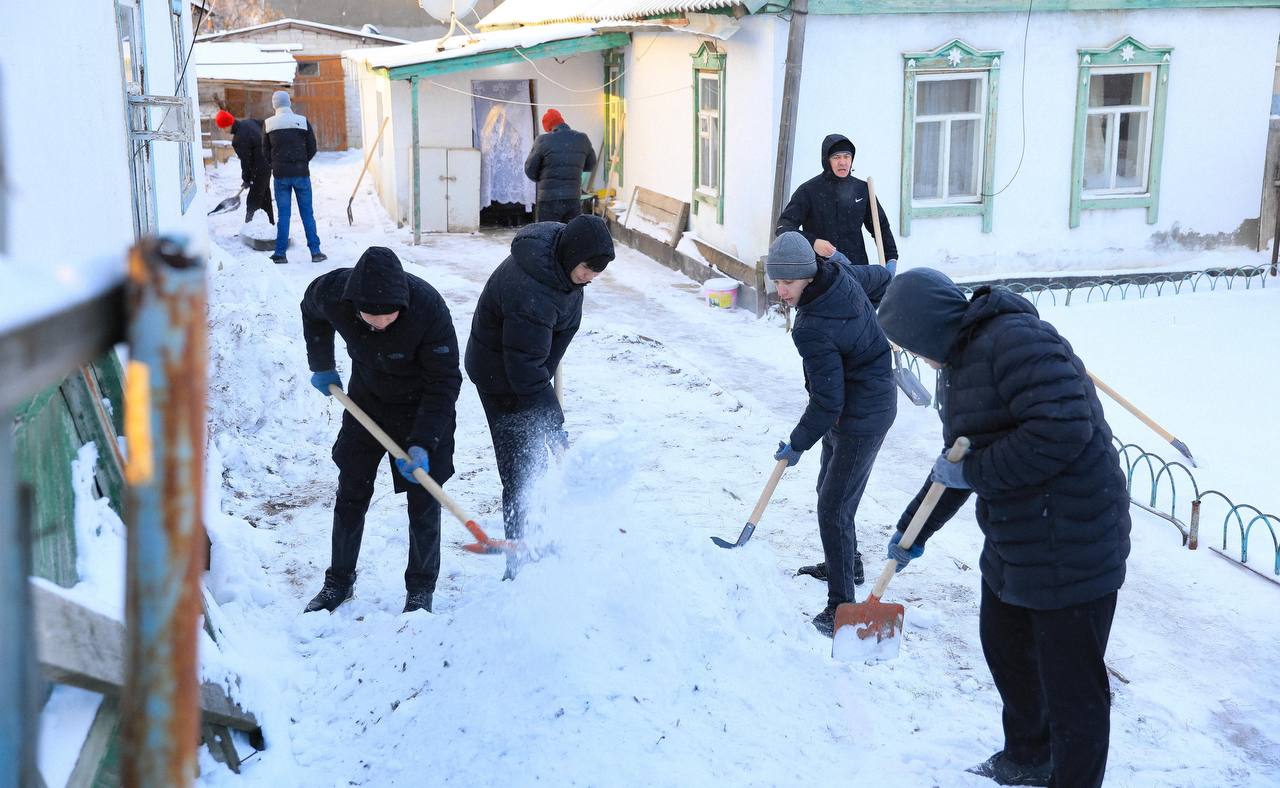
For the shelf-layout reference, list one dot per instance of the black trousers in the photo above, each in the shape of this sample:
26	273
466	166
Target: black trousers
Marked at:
1048	667
358	455
558	210
842	478
520	448
259	196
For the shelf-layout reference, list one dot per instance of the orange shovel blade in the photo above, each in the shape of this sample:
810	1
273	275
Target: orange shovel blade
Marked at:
870	630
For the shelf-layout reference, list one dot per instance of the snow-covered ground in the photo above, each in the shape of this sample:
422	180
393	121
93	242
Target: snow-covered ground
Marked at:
636	652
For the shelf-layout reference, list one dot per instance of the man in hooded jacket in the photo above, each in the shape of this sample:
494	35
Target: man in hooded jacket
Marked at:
556	163
1052	504
852	399
404	374
255	167
831	209
526	317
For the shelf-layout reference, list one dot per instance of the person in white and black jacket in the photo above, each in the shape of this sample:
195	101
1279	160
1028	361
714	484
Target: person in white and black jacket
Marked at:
289	144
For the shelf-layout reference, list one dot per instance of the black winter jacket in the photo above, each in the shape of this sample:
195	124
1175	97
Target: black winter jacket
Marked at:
846	355
557	161
1052	499
289	144
246	140
412	365
525	318
815	211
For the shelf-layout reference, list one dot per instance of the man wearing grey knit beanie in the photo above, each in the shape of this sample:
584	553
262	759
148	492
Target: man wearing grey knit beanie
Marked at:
852	399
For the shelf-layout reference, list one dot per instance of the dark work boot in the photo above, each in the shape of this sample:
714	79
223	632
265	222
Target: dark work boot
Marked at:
825	622
1003	771
336	591
816	571
279	259
319	257
858	577
417	600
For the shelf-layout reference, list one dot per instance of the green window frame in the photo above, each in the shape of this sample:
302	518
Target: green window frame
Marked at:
614	115
708	129
953	61
1103	177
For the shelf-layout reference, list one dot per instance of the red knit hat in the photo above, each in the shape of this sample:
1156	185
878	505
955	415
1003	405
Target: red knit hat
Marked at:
223	119
551	119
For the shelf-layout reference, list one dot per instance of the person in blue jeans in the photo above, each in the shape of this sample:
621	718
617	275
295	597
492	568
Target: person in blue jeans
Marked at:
290	144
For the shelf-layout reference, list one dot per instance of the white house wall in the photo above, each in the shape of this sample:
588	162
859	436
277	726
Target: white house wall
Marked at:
1220	82
445	117
69	194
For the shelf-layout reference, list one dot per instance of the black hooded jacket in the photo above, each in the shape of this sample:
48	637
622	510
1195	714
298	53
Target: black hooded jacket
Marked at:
411	366
556	163
246	140
1052	499
835	210
846	356
525	318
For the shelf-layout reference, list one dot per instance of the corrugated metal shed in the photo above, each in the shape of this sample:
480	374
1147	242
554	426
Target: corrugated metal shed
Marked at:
540	12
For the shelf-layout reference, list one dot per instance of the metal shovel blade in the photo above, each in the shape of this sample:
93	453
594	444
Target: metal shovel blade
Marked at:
909	383
228	205
867	631
747	531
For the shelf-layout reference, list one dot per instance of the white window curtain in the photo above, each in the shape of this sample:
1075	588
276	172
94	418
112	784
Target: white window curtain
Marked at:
1117	132
947	160
504	134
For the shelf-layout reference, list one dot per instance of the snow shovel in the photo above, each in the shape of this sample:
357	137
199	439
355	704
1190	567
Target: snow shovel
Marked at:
873	629
758	512
904	377
1145	419
483	544
351	219
228	205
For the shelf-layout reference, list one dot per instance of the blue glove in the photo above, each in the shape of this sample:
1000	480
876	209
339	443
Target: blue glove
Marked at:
892	265
785	452
949	474
558	441
417	459
321	381
902	555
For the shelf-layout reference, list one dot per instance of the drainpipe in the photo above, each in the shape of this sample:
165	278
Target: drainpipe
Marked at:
417	168
165	425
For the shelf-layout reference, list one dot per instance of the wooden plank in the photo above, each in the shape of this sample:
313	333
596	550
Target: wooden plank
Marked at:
792	70
668	212
96	745
83	648
45	442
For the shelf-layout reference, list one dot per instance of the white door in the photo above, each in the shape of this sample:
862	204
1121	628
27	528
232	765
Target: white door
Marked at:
435	202
463	190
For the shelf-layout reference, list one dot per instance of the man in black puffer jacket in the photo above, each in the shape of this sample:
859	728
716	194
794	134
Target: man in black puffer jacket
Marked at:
527	315
255	168
556	162
404	374
1052	503
831	209
852	399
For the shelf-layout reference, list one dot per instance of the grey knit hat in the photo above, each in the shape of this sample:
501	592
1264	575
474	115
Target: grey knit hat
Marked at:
791	257
280	99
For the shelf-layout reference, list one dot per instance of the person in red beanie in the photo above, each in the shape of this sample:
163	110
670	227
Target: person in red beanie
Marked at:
556	163
255	169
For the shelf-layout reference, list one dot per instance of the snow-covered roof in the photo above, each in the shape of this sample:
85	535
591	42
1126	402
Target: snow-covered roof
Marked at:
345	31
537	12
243	62
462	45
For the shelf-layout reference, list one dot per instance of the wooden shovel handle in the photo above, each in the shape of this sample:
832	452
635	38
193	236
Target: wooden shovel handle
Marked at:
1129	406
956	454
874	207
377	432
767	493
369	157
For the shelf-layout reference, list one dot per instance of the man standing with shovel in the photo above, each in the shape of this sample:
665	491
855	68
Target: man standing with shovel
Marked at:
852	398
527	315
255	167
404	374
1052	503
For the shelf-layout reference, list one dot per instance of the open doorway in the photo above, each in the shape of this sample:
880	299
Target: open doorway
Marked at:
502	129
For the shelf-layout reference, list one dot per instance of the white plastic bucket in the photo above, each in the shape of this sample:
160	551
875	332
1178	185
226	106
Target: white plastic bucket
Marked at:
721	293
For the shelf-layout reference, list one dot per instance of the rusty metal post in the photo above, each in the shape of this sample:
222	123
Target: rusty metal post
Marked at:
18	677
1193	528
165	426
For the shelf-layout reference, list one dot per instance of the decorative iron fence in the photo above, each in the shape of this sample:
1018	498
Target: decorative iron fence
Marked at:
1120	288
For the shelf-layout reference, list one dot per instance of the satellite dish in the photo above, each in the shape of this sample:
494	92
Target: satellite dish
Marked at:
445	10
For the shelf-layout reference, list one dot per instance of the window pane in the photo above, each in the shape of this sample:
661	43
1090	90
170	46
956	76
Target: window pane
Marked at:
709	93
1131	165
938	97
1116	90
926	166
1097	153
713	160
963	176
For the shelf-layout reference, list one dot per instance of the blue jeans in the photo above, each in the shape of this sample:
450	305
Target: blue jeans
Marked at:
301	187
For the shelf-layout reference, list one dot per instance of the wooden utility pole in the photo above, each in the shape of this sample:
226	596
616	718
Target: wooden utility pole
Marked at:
790	107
